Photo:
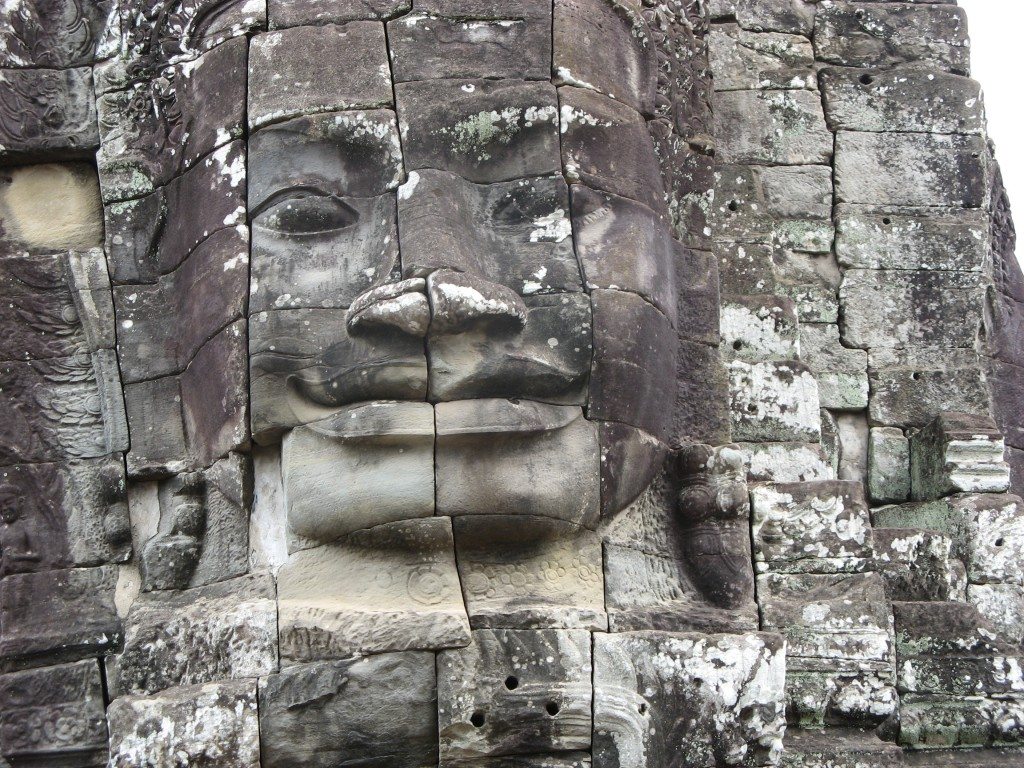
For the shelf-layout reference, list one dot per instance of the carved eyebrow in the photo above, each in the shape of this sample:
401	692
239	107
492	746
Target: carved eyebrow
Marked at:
287	194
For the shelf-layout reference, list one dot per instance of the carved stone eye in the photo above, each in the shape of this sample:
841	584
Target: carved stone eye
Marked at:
310	215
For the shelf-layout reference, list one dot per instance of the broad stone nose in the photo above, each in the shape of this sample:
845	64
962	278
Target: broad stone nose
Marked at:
443	302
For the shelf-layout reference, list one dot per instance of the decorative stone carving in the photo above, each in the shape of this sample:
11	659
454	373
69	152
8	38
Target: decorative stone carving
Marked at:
54	714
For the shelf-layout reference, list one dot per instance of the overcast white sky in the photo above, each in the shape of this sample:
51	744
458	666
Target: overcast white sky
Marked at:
995	27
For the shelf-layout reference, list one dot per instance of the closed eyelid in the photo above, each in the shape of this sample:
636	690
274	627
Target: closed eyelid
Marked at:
289	193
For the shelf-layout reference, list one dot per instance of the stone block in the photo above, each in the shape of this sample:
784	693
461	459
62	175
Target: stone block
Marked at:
57	615
885	34
840	651
784	206
429	47
215	396
549	359
321	251
363	709
342	154
888	466
744	60
148	139
759	328
958	453
203	726
515	692
785	462
839	748
918	565
304	365
46	315
1003	606
773	402
47	113
894	237
699	699
367	465
943	650
816	527
630	458
772	127
152	235
408	599
294	13
698	417
63	515
841	373
624	244
37	221
647	590
942	722
902	99
218	632
53	714
163	326
790	16
1007	385
634	363
909	387
608	48
482	130
904	308
985	530
830	616
517	457
606	145
287	77
156	426
911	169
698	297
516	234
545	575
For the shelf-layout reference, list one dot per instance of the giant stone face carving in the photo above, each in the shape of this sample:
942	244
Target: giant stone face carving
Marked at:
420	312
368	387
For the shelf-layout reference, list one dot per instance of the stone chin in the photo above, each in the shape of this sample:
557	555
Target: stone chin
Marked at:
381	462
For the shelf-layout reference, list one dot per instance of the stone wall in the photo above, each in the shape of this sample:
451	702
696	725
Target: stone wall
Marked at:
793	507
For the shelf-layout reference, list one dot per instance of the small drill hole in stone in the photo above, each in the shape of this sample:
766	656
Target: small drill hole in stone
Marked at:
737	345
1000	542
552	708
642	709
511	682
887	221
916	376
860	14
867	79
477	719
733	206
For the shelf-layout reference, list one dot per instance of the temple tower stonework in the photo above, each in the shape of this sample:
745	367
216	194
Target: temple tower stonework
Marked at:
506	384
